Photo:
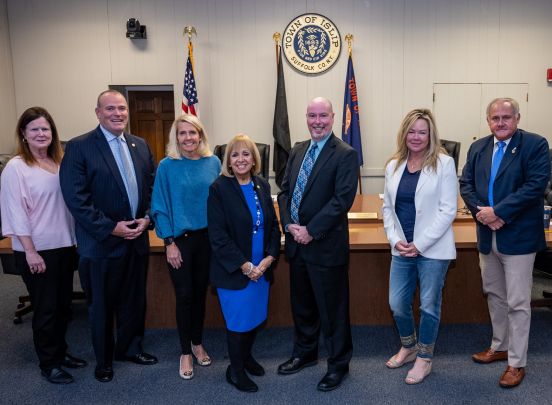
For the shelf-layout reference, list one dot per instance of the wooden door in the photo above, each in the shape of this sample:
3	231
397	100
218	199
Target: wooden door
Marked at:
151	117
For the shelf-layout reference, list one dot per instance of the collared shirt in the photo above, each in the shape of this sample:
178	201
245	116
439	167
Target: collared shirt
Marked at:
495	146
320	145
112	140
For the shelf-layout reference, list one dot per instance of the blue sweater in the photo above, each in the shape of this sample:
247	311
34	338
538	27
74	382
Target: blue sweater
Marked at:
180	191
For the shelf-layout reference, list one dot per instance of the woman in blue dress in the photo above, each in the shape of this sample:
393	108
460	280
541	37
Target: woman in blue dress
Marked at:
245	242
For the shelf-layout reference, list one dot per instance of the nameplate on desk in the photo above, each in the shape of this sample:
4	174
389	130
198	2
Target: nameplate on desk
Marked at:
362	215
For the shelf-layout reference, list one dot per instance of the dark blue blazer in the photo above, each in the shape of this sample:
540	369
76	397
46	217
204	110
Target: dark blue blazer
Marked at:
230	231
95	194
327	198
518	191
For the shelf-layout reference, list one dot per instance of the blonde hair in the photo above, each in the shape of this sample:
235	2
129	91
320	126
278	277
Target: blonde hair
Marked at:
235	142
173	151
434	148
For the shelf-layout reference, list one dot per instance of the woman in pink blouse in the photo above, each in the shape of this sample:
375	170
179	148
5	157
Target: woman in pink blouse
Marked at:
34	215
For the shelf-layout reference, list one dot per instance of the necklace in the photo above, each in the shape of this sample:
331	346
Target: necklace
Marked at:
258	207
413	167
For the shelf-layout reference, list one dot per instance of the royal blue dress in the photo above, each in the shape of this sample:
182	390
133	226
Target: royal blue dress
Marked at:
246	309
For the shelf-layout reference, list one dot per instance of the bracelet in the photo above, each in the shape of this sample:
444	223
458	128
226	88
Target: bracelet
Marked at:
247	273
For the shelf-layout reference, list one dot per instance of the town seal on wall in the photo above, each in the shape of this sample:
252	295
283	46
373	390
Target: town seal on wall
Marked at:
311	43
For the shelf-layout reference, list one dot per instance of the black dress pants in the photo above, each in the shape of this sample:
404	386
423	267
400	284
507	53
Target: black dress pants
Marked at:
115	290
190	286
51	293
320	301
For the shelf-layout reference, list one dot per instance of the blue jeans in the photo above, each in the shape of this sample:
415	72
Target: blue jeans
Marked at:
404	275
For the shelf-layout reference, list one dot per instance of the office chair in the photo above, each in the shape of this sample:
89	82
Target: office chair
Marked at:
264	152
453	150
543	260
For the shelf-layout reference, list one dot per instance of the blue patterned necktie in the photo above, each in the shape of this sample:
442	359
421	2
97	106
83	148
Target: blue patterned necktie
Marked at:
129	177
494	169
302	179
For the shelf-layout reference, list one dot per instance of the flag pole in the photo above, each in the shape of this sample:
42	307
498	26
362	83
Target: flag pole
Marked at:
189	31
190	102
349	39
276	37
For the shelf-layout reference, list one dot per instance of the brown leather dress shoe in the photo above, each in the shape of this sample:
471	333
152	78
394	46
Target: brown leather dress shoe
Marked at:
512	377
490	355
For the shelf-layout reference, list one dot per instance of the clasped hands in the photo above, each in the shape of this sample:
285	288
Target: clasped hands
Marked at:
131	229
255	272
300	233
487	216
407	249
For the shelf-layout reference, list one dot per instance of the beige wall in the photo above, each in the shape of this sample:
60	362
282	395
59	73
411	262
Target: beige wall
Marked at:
7	94
65	52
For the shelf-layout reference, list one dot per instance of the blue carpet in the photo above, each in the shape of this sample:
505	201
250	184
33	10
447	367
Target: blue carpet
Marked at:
455	378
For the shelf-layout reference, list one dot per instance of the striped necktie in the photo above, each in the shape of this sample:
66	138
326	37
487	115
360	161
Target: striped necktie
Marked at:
302	179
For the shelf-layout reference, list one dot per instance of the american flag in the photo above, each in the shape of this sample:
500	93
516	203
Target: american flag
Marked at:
190	103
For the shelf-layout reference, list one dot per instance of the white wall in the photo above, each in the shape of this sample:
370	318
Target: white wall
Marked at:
7	93
66	52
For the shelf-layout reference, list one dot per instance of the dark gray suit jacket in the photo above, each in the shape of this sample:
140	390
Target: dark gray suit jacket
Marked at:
327	198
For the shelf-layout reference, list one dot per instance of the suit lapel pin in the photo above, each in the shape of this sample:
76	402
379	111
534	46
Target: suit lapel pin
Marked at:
514	150
133	145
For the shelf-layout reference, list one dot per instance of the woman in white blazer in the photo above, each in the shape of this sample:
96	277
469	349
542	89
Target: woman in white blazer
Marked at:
419	207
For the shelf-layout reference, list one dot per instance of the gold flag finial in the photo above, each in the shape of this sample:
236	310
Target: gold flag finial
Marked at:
190	30
276	37
349	38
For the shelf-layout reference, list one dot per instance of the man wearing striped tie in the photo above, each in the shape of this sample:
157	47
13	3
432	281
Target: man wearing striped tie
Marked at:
318	189
503	185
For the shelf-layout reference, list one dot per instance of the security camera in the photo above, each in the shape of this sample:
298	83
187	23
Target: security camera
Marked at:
135	30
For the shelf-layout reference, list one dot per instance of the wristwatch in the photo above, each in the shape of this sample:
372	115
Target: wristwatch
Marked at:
168	241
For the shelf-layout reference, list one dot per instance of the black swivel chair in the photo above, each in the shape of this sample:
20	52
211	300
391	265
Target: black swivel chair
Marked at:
264	152
543	260
453	150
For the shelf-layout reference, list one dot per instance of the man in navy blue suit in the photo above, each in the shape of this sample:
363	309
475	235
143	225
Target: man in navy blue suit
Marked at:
503	185
106	178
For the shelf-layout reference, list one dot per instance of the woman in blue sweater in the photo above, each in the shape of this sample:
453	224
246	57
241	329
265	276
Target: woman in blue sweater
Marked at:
179	208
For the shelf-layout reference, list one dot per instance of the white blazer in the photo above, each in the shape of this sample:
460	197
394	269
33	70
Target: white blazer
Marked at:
436	202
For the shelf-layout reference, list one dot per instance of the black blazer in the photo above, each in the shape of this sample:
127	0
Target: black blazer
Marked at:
327	198
230	230
95	194
518	190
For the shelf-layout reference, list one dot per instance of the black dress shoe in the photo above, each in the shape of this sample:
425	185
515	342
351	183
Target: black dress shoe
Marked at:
104	374
332	380
143	359
295	364
253	367
72	362
57	375
240	380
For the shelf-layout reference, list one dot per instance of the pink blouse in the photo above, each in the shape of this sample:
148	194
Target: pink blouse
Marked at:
32	205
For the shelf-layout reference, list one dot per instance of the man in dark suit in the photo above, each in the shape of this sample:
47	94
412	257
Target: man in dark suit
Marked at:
503	184
318	190
106	178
